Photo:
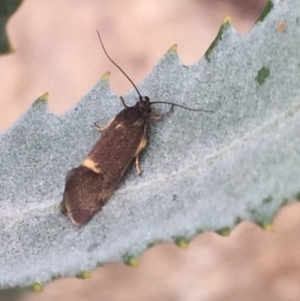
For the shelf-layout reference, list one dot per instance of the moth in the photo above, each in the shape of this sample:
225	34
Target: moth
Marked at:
89	186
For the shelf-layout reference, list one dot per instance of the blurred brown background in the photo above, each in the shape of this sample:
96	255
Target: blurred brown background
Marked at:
57	48
57	51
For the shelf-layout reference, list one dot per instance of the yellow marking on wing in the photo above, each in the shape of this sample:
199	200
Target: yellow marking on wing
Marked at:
90	164
118	126
69	213
73	220
103	128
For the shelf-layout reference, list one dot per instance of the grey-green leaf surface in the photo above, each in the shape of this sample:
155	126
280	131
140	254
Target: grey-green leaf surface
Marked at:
200	171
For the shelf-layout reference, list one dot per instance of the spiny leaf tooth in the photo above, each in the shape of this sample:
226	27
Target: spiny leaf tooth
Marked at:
224	231
131	260
182	242
173	49
266	225
227	19
269	227
37	287
84	275
105	76
43	99
225	25
265	12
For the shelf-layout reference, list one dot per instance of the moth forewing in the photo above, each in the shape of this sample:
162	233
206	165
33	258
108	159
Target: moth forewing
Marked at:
89	186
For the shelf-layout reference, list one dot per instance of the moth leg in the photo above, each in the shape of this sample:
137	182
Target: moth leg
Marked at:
141	146
160	116
137	165
101	129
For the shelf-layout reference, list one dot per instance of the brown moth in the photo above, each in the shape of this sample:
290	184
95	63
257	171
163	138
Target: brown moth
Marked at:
89	186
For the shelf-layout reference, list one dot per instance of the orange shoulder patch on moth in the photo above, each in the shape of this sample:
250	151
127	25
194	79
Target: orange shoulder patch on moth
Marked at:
91	164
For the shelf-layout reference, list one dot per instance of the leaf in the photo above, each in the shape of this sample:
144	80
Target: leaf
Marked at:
200	172
7	8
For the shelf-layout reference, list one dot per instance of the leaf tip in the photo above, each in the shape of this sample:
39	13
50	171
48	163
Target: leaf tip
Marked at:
43	99
224	231
267	226
84	275
131	260
105	76
173	49
227	19
268	7
226	24
38	287
182	242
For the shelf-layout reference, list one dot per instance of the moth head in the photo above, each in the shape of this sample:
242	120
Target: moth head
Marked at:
144	104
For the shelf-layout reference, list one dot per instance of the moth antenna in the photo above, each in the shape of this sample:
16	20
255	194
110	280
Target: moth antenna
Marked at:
181	106
118	66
